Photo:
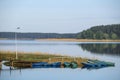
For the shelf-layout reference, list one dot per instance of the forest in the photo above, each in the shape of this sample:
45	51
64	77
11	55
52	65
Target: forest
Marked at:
95	32
101	32
11	35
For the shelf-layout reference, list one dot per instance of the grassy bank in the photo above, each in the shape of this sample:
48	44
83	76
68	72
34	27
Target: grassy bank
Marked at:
26	56
39	57
80	40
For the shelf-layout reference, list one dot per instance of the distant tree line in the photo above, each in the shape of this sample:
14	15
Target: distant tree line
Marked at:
101	32
96	32
11	35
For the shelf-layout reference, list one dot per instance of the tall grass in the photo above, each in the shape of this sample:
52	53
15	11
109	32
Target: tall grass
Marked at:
37	57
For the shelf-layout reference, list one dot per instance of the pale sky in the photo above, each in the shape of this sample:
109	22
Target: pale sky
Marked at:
57	16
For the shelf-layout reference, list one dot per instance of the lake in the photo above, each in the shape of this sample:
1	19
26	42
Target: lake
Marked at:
107	51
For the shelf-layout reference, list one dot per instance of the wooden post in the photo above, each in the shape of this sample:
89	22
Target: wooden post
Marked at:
30	64
12	63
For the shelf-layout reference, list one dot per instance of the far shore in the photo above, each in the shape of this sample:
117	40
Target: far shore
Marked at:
69	39
79	40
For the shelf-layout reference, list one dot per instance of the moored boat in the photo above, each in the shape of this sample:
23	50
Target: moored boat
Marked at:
46	65
39	64
67	64
96	64
74	64
55	65
103	63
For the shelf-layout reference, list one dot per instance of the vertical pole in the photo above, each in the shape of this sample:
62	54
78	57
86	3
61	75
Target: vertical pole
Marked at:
16	44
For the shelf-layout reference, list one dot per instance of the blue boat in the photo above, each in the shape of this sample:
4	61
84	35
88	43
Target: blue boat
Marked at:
67	65
103	63
91	65
96	64
39	64
74	64
46	65
55	65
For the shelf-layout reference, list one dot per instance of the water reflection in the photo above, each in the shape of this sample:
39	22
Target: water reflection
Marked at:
110	49
0	65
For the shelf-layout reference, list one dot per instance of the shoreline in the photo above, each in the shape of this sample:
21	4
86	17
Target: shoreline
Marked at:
79	40
69	40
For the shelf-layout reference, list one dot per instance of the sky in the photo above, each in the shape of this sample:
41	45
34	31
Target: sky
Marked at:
57	16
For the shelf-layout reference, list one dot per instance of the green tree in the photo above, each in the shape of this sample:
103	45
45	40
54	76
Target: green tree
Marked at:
114	36
106	36
101	32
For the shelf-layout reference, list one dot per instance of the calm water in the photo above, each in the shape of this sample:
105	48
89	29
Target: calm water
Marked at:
102	51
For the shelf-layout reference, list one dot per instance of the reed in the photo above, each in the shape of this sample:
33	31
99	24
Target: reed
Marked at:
80	40
37	57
